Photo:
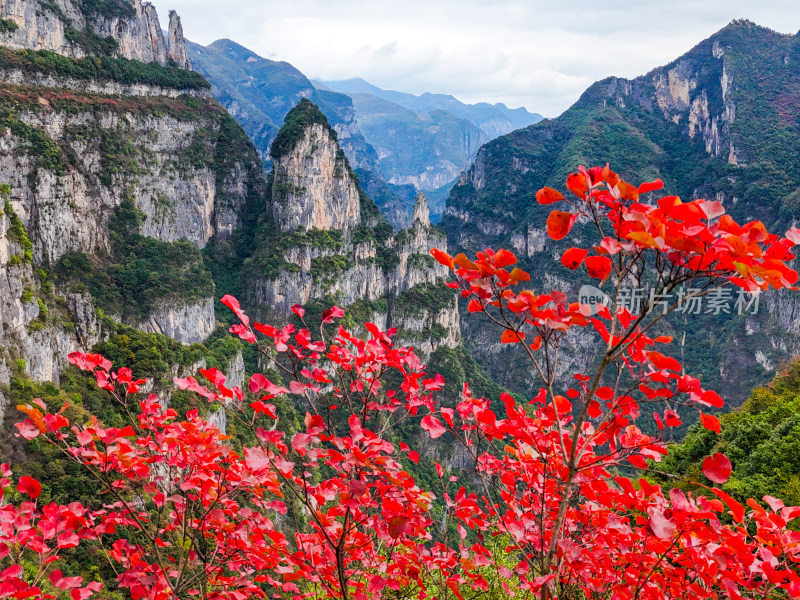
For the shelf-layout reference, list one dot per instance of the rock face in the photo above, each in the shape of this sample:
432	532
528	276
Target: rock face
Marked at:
309	189
176	44
185	323
336	247
129	28
34	341
75	150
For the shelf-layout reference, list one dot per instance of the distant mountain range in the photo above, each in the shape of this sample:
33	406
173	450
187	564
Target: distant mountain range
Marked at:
396	143
493	119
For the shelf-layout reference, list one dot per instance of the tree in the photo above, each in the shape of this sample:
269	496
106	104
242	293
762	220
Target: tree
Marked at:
330	508
554	476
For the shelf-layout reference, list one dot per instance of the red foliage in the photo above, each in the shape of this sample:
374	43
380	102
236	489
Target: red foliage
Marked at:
330	509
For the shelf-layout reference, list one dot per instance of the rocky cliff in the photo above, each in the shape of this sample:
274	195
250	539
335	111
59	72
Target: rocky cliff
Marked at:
330	243
259	92
78	28
120	173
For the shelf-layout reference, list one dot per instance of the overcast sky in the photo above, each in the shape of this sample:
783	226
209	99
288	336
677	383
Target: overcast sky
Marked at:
532	53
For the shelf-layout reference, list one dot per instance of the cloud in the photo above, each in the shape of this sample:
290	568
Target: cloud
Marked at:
536	53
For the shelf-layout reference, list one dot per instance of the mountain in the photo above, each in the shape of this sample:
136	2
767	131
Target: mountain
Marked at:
259	92
493	119
720	122
131	201
324	241
118	174
426	150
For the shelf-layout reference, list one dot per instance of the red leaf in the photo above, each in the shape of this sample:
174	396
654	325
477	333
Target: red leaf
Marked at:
512	337
413	457
598	267
474	306
298	310
548	195
710	422
736	509
711	398
559	224
397	525
28	485
671	418
717	468
443	258
357	487
627	191
662	527
257	383
573	258
334	312
793	235
376	583
651	186
233	304
504	258
214	375
577	184
433	426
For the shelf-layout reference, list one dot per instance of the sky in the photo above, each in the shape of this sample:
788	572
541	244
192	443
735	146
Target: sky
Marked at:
532	53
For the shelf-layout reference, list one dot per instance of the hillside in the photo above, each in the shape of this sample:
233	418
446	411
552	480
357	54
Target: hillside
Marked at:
720	122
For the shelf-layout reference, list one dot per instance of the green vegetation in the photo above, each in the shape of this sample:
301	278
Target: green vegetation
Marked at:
301	116
140	273
363	311
35	142
90	42
762	439
110	9
327	268
148	355
16	231
621	122
425	298
375	228
99	68
117	154
320	239
8	26
424	262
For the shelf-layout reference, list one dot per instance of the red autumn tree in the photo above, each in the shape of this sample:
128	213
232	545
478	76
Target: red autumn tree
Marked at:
327	511
555	476
332	510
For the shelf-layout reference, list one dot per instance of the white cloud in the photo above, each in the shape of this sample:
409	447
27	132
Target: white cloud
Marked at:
536	53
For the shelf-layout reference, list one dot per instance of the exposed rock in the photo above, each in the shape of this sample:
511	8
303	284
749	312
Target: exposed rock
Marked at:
58	25
33	341
312	188
40	26
185	323
106	88
95	146
176	44
314	191
422	214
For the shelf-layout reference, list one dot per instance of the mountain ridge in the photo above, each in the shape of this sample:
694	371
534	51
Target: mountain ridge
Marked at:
720	122
494	119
